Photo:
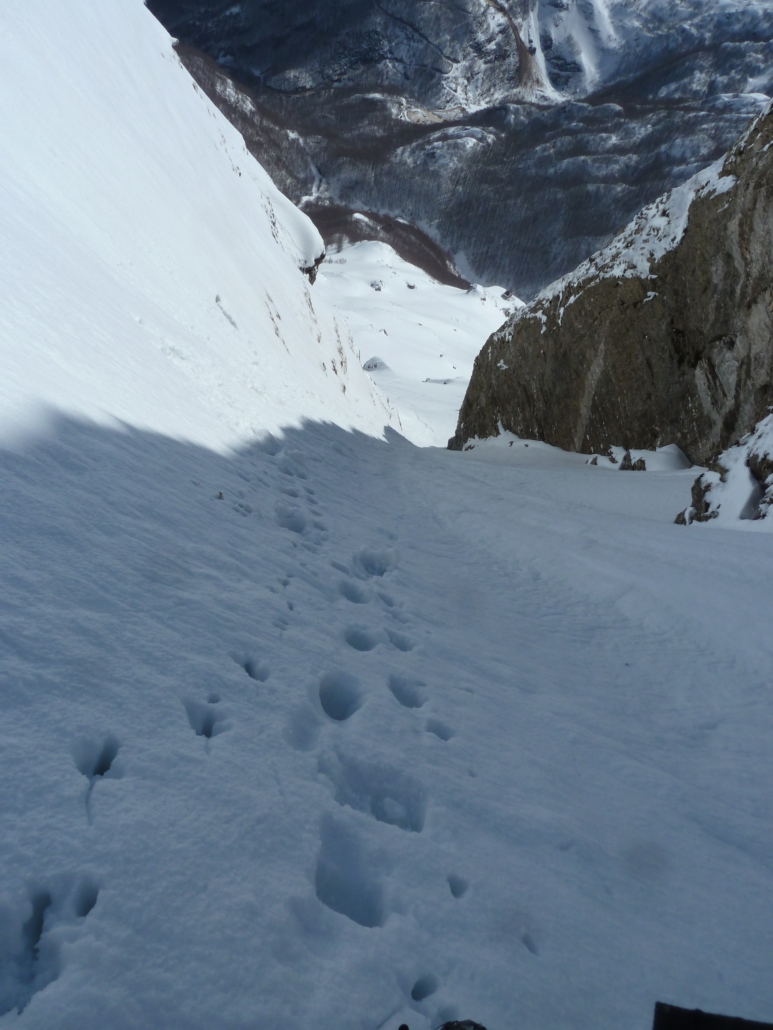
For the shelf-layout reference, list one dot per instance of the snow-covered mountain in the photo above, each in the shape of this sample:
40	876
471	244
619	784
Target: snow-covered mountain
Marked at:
318	728
667	48
520	158
469	56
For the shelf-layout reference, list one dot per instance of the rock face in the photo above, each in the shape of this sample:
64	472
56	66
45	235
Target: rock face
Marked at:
664	337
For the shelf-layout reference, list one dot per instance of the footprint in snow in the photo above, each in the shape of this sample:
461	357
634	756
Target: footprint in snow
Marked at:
372	562
94	758
353	591
291	516
206	718
293	464
32	934
439	729
346	878
340	695
424	987
409	692
400	641
458	885
362	639
386	793
255	669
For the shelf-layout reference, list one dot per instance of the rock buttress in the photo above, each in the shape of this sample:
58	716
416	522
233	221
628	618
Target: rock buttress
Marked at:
648	344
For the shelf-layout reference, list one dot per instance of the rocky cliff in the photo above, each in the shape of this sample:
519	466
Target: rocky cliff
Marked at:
666	336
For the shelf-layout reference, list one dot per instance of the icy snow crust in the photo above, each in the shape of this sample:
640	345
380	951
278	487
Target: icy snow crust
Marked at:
150	269
322	729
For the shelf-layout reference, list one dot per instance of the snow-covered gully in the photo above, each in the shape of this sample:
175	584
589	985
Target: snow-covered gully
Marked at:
304	725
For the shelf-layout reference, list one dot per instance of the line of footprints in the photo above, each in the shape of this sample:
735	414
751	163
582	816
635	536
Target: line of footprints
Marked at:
63	903
346	876
346	880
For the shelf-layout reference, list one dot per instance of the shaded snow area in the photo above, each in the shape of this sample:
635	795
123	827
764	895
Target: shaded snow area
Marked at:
150	269
320	728
417	338
342	733
737	491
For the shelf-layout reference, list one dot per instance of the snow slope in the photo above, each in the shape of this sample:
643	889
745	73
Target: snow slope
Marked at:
417	338
149	267
342	733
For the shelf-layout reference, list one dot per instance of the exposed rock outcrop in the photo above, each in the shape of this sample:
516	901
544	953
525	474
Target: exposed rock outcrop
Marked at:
666	336
738	485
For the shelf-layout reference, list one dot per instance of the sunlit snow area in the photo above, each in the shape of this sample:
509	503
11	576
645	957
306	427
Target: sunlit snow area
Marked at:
416	338
307	721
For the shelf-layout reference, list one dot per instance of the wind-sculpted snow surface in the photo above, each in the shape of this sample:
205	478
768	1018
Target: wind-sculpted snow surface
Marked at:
218	812
150	269
427	111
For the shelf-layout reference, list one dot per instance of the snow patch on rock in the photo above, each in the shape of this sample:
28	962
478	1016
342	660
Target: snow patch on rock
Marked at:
737	490
656	230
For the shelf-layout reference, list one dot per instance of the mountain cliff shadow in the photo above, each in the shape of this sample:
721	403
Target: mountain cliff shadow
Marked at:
123	522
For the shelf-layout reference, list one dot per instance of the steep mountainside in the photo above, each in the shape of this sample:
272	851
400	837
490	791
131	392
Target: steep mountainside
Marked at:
520	135
664	337
151	271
